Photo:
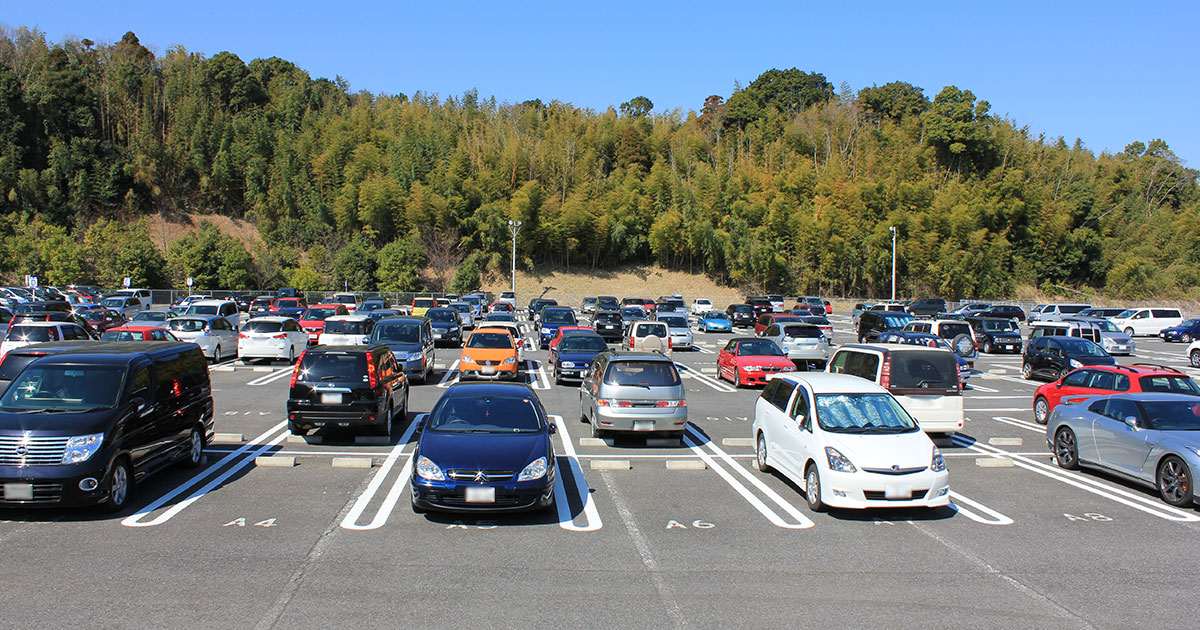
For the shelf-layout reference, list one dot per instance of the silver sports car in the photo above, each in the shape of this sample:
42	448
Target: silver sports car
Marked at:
1152	439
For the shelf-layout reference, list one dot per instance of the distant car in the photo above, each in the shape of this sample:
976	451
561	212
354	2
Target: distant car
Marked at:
446	328
765	321
1112	339
221	308
216	338
822	322
489	353
509	298
1099	380
607	303
138	333
804	344
872	323
1149	439
608	324
500	316
150	318
751	361
27	333
260	306
647	336
588	305
127	306
274	338
630	314
355	387
312	320
927	307
370	305
421	305
103	319
502	307
1053	357
680	330
1003	311
701	306
1098	311
349	300
971	309
346	330
381	313
411	341
1185	332
1056	312
995	335
466	316
573	355
1147	321
289	306
485	446
741	315
715	321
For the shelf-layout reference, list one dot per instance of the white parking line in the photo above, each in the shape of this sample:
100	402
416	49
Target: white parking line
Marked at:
984	389
393	495
993	517
1124	497
1021	424
135	520
450	377
591	516
693	439
702	350
707	380
537	374
272	377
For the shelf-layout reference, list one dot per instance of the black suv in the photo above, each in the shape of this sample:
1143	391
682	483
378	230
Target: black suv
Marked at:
106	417
996	334
743	315
1003	311
609	325
347	387
536	305
1052	357
447	327
871	323
926	307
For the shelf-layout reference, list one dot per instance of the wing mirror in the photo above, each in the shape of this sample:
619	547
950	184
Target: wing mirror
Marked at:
1132	422
553	428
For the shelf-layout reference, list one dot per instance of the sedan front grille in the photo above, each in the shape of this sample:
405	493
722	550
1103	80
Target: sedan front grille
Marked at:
42	493
894	471
488	475
878	495
23	450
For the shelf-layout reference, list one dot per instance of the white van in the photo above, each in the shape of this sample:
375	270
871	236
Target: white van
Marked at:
924	380
1056	312
1147	321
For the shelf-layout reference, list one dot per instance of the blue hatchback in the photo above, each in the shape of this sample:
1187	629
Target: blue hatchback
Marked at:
715	321
553	318
1186	332
485	447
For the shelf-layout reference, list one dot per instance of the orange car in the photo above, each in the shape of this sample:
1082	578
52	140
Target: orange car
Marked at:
489	353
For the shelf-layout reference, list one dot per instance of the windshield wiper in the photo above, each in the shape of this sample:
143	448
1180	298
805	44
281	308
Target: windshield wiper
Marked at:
47	410
331	377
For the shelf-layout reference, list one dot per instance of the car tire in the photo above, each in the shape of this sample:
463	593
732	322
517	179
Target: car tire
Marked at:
1041	409
291	358
812	489
195	451
1061	373
963	345
118	485
385	428
988	348
596	431
760	454
1174	482
1129	331
1026	371
737	378
1066	449
1195	358
1186	338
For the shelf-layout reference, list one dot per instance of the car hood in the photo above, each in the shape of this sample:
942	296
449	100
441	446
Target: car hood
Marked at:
444	325
1118	337
764	360
56	424
483	451
906	450
400	349
577	357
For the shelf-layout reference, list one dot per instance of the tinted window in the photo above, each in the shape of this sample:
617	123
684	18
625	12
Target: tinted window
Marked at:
582	343
646	330
259	326
555	316
424	303
1079	378
1169	384
205	309
1166	312
63	387
442	315
924	369
1071	309
759	348
647	373
490	340
1173	415
343	327
120	335
288	303
485	414
32	333
150	316
950	331
332	366
783	393
397	332
1080	347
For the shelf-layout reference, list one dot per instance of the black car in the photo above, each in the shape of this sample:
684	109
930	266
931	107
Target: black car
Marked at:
79	428
1052	357
743	315
760	306
607	303
995	334
1003	311
630	314
609	325
243	302
926	307
260	306
871	323
347	387
537	304
447	327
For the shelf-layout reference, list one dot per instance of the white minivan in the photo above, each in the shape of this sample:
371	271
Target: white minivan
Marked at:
1147	321
924	380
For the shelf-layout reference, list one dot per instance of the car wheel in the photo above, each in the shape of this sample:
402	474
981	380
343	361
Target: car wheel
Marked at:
760	454
1066	450
988	348
737	377
1185	338
1195	358
812	489
291	355
385	428
1175	482
120	479
1026	371
596	431
1041	409
195	452
963	345
1129	331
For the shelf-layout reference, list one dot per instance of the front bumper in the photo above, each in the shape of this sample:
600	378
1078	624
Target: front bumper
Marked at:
487	372
860	490
56	486
511	496
752	379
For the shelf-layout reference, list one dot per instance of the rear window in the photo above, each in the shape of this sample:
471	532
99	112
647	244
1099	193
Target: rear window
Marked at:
333	366
347	327
344	299
1169	385
673	322
424	303
263	327
896	321
290	303
923	369
642	373
120	335
950	331
608	318
810	332
206	309
32	333
646	330
1071	308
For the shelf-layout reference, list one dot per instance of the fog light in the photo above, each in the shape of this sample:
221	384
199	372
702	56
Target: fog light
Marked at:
839	493
88	484
943	491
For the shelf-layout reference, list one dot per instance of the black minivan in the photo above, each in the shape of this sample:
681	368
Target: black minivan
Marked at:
347	387
80	428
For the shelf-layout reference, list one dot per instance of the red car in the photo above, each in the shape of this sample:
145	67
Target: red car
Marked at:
764	321
500	307
751	361
313	319
137	333
564	331
1098	380
828	307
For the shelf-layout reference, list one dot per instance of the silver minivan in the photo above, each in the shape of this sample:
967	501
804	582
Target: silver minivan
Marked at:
634	392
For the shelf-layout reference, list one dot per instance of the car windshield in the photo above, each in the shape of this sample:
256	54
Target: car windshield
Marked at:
290	303
424	303
862	413
1191	323
397	332
201	309
923	369
442	315
96	315
998	325
113	302
759	349
1106	326
1172	415
582	343
555	316
32	333
63	388
500	317
1080	347
642	373
630	313
150	316
187	325
1170	384
485	414
607	302
371	306
259	326
461	307
318	314
716	315
810	332
490	340
261	302
1126	314
673	322
346	327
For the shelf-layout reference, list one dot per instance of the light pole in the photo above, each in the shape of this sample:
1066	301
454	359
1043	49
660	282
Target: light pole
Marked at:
515	228
893	229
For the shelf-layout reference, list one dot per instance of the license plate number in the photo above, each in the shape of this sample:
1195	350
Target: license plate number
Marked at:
643	425
331	398
897	491
437	335
481	494
18	491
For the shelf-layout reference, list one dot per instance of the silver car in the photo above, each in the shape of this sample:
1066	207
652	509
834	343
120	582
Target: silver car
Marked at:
1112	339
681	332
1149	439
804	343
466	314
635	392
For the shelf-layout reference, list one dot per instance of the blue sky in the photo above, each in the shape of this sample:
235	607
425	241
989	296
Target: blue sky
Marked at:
1106	72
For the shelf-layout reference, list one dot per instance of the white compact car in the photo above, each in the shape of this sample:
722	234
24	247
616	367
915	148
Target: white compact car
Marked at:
272	337
701	306
346	330
848	443
1193	353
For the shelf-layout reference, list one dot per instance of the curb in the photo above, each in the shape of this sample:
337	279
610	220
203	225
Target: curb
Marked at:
994	462
228	437
353	462
686	464
273	461
610	464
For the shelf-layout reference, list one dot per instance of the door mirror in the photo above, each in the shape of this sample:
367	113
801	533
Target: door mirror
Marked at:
553	428
1132	422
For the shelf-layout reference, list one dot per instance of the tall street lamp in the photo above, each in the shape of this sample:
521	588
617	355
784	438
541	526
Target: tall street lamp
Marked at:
515	228
893	229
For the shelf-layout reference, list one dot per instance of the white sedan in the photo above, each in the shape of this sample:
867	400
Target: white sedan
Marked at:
848	443
272	337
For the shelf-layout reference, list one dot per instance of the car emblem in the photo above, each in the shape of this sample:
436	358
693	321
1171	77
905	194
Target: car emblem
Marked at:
895	467
22	450
480	477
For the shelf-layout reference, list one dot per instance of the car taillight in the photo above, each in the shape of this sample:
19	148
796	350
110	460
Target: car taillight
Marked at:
885	377
631	343
243	336
671	403
279	336
296	370
372	380
668	342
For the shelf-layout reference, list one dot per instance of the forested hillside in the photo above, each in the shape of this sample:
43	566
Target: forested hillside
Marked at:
788	184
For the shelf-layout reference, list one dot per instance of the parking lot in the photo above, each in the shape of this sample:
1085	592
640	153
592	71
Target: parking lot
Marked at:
283	531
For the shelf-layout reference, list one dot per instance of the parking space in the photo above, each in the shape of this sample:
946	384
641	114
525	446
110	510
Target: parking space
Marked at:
276	530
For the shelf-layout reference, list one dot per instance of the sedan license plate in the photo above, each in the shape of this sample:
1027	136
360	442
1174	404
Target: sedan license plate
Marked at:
481	494
18	492
643	425
897	491
334	398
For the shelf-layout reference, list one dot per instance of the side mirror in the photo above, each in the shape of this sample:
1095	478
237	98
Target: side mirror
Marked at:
1132	422
553	428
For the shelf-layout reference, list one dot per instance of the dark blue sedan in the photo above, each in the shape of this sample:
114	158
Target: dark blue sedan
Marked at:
1186	332
485	447
574	354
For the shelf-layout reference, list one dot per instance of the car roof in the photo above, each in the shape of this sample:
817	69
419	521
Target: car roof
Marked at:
348	318
117	352
1140	369
472	390
41	324
829	383
209	302
636	355
893	347
273	318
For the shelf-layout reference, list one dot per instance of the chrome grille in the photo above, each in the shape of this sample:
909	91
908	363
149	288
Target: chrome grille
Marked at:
488	475
894	471
26	450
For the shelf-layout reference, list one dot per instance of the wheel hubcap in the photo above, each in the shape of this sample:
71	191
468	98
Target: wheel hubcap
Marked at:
1174	481
197	447
762	453
120	484
1066	448
1040	410
813	491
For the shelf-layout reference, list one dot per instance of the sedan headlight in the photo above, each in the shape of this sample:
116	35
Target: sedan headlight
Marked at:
426	469
535	470
1076	364
510	360
837	461
466	359
938	463
752	368
82	447
787	369
567	364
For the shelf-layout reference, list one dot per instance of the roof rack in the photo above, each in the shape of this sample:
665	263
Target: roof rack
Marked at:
1158	367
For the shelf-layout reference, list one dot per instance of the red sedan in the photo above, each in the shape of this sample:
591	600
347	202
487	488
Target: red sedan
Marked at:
138	333
750	361
1098	380
313	319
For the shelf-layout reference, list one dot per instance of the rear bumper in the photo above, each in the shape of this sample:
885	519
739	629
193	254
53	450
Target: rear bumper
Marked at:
305	415
609	419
